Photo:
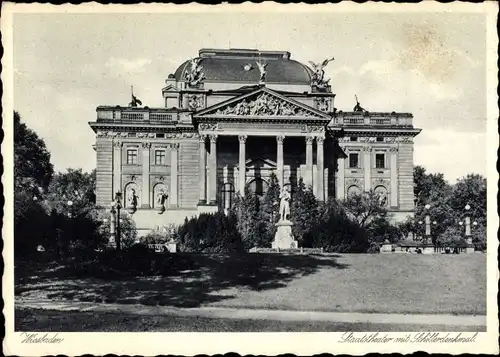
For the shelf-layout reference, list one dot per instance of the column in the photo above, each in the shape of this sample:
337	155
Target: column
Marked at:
212	170
279	159
394	177
340	189
309	161
117	168
203	170
145	175
174	176
242	165
367	167
320	169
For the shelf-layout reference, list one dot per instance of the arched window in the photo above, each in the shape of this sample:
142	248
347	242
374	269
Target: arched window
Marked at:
353	190
258	186
131	198
160	195
381	192
227	196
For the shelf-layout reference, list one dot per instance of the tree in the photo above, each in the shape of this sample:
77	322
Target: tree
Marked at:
364	207
469	190
269	210
432	190
32	168
249	224
303	212
75	187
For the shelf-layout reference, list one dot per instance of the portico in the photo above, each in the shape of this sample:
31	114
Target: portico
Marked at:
279	123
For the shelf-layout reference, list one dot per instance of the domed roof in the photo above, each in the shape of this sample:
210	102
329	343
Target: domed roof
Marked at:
232	66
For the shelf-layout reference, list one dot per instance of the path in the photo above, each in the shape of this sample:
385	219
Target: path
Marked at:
260	314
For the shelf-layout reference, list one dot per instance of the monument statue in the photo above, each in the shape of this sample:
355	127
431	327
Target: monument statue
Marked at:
283	239
284	204
318	77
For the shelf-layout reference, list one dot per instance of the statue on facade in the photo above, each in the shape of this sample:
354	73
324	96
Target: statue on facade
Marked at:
161	198
262	70
358	107
284	204
195	75
132	199
318	77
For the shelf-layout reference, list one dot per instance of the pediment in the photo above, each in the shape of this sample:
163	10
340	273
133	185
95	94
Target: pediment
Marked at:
170	88
260	163
261	103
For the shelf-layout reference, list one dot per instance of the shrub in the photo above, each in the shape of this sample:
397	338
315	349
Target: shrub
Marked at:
246	211
210	233
303	212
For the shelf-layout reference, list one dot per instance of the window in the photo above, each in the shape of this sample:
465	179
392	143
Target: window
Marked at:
380	161
227	193
160	135
353	160
160	156
354	138
132	157
380	139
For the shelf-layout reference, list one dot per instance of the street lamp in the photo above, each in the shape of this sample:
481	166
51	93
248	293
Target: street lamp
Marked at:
427	223
420	227
112	225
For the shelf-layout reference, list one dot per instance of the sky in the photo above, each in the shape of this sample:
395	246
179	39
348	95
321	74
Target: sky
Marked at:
65	65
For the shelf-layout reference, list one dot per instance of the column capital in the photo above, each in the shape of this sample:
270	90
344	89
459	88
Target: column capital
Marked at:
117	144
368	149
242	139
309	140
280	139
393	150
174	146
213	138
320	140
146	145
202	138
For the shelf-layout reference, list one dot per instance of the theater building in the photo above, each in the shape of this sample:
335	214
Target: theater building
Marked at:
233	117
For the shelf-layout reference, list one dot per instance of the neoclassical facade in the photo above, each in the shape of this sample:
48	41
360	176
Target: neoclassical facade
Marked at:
232	118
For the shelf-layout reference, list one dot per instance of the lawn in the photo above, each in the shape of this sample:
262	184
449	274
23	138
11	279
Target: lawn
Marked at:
58	321
392	283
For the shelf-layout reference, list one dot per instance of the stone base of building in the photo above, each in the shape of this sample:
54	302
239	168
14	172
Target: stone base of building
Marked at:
147	220
207	208
283	238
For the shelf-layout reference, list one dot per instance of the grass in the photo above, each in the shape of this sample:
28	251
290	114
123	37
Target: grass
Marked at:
392	283
58	321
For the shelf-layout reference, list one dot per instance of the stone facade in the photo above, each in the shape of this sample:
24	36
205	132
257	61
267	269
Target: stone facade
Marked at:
230	129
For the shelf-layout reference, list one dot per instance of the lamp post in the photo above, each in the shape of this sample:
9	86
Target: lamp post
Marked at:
467	225
112	225
427	223
118	205
420	227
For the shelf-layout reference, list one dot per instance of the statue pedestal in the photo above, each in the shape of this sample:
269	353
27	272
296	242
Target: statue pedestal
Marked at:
283	238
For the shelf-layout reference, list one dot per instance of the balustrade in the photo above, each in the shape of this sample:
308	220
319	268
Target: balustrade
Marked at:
143	114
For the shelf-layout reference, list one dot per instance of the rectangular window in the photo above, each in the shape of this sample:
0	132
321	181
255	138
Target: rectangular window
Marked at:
160	135
160	156
353	138
132	157
380	161
380	139
353	160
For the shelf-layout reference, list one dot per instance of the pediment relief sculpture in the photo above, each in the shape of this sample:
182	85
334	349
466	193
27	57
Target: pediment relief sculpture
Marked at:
264	105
